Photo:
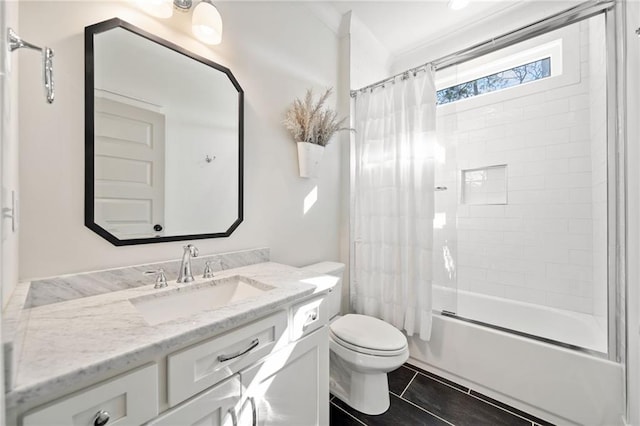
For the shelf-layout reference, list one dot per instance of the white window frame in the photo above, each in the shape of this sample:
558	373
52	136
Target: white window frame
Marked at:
562	46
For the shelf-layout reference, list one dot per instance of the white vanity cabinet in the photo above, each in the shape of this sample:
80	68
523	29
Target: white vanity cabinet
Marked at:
283	376
272	371
289	387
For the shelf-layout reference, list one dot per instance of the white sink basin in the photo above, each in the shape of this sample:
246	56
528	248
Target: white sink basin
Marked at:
185	301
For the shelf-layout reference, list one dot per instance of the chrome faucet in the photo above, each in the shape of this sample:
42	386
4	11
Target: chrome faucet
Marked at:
185	275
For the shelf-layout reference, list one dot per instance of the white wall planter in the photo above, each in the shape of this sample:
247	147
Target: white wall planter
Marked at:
309	157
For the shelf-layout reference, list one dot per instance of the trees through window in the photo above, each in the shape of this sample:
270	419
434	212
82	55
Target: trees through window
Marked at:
512	77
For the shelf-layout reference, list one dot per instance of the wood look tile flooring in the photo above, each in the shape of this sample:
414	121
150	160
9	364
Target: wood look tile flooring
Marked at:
422	398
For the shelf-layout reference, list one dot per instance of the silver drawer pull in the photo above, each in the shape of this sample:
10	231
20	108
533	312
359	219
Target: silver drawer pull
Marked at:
254	343
254	411
101	418
234	416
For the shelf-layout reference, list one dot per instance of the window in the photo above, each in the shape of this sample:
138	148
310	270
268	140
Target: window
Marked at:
515	76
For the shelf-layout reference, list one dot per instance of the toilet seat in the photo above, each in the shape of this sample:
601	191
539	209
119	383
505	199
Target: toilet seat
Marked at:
365	351
368	335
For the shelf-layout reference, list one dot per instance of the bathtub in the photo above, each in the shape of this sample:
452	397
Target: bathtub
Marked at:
566	327
555	383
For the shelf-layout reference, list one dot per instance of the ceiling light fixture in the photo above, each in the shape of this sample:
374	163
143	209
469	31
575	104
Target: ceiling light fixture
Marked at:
206	22
458	4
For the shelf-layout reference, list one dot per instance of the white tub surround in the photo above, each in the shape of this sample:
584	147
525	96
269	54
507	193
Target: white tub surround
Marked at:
69	345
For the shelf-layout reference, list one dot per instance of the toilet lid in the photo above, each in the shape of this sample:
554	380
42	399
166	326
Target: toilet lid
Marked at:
368	332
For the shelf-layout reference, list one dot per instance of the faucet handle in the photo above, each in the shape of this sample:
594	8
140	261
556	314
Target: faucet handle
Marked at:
161	279
208	271
193	250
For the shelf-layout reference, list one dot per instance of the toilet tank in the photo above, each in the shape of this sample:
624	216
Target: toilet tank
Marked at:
334	269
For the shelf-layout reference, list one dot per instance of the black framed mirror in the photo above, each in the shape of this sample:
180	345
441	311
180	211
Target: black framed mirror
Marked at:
163	139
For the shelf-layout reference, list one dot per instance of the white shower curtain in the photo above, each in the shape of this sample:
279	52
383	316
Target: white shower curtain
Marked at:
394	208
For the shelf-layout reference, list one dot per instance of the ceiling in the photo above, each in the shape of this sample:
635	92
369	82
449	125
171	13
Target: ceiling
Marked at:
401	26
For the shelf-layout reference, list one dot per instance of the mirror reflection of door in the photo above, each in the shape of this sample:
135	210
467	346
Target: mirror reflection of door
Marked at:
129	168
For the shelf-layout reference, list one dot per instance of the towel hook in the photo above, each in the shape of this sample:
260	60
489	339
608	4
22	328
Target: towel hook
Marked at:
15	42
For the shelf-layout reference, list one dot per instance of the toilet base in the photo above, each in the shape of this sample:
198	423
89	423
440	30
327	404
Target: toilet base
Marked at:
365	392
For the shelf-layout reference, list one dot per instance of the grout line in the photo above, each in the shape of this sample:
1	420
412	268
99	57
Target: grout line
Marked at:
468	392
423	409
437	378
409	384
349	414
445	383
501	408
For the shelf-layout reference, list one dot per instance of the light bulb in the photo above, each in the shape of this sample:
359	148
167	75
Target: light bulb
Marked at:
207	23
157	8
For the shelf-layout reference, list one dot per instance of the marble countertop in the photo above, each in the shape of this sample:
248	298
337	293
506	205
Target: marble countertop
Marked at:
73	344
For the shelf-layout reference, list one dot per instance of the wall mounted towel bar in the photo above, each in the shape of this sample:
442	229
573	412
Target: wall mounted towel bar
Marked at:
15	42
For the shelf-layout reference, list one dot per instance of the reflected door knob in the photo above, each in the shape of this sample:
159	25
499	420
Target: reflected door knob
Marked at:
102	418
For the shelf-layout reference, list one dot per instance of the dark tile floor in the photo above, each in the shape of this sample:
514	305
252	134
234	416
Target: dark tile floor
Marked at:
422	398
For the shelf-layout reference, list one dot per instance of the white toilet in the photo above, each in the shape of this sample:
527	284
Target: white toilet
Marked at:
363	350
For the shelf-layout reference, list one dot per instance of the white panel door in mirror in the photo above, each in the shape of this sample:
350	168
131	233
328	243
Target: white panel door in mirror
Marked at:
129	169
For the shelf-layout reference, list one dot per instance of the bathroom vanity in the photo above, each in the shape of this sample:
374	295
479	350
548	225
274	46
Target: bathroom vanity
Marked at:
114	359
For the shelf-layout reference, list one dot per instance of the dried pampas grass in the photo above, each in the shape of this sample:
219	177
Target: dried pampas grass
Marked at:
310	121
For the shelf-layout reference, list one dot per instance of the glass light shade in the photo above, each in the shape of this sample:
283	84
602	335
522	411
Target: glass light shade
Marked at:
458	4
207	23
157	8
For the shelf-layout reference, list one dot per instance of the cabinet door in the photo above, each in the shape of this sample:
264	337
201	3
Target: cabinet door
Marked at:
214	407
290	386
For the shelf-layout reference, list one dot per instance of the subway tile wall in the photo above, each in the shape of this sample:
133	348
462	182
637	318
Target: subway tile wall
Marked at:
547	244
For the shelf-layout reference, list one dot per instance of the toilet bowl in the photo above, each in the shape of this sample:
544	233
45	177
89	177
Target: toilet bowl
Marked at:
362	349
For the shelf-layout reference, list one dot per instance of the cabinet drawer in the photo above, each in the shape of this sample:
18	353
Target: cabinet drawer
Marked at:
130	399
213	407
308	316
194	369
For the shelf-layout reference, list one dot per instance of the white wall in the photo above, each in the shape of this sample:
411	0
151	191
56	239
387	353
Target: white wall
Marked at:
276	50
9	75
8	142
519	15
370	60
209	188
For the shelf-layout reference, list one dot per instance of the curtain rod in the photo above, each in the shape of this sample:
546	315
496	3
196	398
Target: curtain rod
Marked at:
577	13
